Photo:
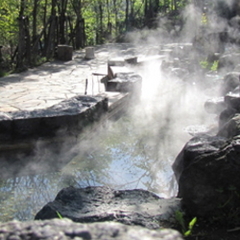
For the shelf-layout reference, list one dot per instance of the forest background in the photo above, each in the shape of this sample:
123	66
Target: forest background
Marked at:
31	30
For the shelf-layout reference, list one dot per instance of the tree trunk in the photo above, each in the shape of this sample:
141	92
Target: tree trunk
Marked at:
33	51
51	33
36	42
79	27
127	15
28	54
45	35
100	23
156	7
21	36
34	23
62	6
116	17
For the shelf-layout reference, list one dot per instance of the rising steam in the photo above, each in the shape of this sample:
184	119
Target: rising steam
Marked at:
137	151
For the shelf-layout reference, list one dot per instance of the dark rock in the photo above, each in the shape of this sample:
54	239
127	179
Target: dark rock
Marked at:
125	82
210	182
235	22
231	128
98	204
224	10
225	116
198	145
230	82
232	100
131	60
215	105
6	130
213	57
233	29
65	229
64	52
228	61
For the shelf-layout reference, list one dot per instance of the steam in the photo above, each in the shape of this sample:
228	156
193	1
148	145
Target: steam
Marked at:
171	106
147	141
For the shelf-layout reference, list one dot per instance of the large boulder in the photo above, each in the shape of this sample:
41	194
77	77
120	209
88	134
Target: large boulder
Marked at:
198	145
98	204
209	183
65	229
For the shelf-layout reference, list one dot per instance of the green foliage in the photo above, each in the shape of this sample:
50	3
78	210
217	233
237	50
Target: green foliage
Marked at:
8	23
3	73
204	64
204	19
213	66
186	231
86	22
59	215
190	227
179	215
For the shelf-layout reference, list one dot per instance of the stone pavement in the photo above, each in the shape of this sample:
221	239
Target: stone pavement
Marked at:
53	82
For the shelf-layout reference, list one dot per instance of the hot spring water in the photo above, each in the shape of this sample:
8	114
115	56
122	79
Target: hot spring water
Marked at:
136	151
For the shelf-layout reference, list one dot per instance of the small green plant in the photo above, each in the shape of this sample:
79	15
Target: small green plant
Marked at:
204	64
204	19
214	66
59	215
186	231
190	227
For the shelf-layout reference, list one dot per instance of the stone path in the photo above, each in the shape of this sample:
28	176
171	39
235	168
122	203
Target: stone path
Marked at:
53	82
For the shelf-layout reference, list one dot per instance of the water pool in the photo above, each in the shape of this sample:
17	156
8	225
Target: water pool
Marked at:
135	151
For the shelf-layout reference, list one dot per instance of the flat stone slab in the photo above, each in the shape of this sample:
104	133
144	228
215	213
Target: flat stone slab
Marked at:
70	115
97	204
65	229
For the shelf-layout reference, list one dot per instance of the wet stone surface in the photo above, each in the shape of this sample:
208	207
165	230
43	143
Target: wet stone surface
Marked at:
97	204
